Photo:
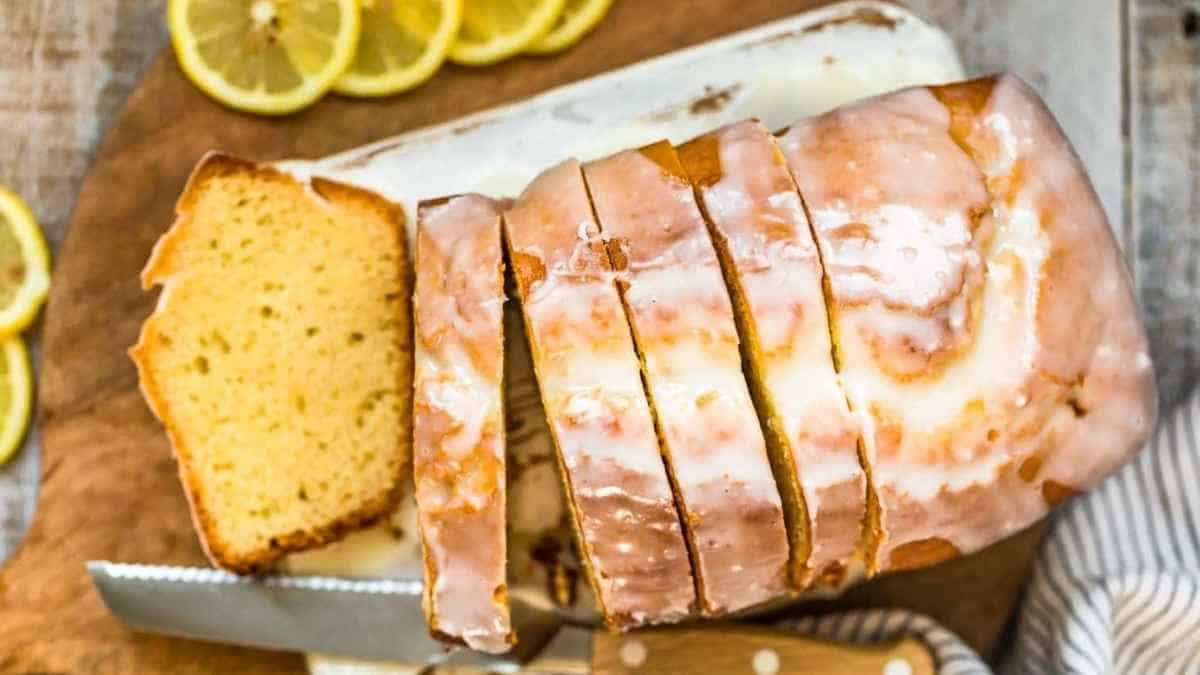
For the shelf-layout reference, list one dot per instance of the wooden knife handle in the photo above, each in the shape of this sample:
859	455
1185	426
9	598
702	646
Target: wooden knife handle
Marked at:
742	649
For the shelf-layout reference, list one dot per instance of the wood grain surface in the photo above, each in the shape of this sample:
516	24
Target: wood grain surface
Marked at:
108	482
1163	195
741	649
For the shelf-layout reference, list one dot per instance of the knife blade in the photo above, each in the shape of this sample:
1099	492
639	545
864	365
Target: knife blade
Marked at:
377	619
381	619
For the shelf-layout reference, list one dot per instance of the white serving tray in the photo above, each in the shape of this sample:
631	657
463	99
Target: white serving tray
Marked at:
777	72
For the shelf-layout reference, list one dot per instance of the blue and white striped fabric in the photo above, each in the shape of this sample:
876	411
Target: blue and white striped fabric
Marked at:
1116	586
884	625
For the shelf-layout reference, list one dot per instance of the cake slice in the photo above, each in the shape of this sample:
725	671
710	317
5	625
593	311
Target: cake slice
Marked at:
617	487
678	307
458	421
279	358
773	272
986	329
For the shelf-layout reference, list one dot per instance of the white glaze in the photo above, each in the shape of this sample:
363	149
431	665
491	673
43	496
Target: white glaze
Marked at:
590	383
683	325
975	436
755	209
458	421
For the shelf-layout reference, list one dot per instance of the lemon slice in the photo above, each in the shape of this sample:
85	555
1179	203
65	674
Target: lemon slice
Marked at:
24	265
264	56
577	18
493	30
402	44
16	392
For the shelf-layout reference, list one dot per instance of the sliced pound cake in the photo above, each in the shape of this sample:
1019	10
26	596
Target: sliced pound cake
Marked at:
279	358
987	332
587	370
679	310
458	420
774	273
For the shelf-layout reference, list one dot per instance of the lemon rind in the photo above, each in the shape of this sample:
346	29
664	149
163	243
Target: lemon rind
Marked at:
16	419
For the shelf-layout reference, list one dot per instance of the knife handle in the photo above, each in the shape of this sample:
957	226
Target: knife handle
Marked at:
742	649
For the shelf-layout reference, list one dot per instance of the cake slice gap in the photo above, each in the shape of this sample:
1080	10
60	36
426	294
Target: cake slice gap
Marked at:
458	421
773	270
677	305
279	358
618	491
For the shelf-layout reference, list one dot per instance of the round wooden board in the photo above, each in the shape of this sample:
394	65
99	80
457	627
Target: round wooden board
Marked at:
109	486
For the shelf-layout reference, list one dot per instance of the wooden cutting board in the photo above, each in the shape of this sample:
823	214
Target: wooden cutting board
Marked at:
109	487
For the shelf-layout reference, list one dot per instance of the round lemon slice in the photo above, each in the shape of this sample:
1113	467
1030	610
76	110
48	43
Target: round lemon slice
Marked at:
577	18
16	394
24	265
493	30
264	56
402	44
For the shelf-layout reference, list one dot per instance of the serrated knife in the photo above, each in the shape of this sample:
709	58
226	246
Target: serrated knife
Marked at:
381	619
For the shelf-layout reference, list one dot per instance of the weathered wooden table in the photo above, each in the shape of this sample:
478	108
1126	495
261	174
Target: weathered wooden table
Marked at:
1123	75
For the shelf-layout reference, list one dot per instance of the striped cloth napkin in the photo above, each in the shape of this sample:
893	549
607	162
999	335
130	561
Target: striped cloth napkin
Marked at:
1116	586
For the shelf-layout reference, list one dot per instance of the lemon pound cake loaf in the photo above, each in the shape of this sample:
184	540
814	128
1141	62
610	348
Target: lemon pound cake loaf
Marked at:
683	326
986	328
458	420
279	358
774	273
583	354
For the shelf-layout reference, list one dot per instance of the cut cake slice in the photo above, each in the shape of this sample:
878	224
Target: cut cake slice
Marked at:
774	274
458	421
679	309
628	527
279	358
